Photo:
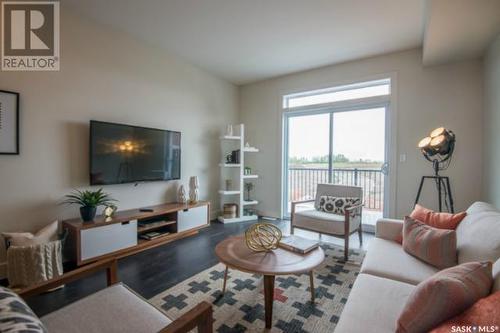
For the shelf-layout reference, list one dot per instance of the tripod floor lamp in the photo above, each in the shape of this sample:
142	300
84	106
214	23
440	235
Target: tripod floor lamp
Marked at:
438	148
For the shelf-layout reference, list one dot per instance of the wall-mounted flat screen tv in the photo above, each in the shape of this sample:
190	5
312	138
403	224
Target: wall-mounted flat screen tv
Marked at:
128	154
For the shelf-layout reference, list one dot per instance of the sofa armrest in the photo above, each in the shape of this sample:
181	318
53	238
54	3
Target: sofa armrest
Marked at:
389	229
198	317
109	265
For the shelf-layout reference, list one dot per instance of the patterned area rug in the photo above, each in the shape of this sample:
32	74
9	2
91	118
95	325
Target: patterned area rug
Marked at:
241	309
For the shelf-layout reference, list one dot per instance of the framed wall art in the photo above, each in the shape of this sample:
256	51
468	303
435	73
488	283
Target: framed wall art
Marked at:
9	123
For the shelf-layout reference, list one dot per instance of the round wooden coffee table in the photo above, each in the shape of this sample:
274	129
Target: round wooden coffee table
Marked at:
234	253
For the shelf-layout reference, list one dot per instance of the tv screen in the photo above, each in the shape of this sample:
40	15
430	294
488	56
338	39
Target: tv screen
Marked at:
126	154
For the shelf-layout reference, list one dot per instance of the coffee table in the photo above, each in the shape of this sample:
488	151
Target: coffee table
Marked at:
234	253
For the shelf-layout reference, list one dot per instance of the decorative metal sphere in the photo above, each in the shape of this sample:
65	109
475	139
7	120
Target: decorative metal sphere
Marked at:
262	237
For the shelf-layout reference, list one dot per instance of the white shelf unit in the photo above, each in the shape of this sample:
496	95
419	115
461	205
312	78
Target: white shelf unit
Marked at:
235	172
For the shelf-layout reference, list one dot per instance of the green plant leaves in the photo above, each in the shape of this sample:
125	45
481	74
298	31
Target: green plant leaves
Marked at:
89	198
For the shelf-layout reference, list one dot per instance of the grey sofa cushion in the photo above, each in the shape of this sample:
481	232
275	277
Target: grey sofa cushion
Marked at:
388	259
374	305
478	235
114	309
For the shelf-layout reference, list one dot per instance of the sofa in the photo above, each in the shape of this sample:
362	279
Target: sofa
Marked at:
389	274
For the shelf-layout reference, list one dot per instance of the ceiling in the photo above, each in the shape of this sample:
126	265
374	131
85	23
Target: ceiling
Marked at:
250	40
245	41
459	29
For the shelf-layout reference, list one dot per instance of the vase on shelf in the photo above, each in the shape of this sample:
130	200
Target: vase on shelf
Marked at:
181	195
193	189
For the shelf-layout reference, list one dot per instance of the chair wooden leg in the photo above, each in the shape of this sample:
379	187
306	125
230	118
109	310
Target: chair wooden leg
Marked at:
346	247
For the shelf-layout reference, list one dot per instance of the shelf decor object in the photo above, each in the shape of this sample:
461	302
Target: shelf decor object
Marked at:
232	167
9	123
263	237
181	195
194	184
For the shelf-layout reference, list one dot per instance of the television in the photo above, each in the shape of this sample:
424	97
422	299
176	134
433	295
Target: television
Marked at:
128	154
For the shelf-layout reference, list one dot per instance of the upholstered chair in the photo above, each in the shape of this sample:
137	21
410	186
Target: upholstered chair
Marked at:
341	226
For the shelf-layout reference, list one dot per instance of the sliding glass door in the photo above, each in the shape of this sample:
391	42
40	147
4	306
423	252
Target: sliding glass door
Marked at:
341	146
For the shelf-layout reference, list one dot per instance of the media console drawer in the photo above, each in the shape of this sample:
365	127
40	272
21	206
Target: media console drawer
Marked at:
102	240
192	218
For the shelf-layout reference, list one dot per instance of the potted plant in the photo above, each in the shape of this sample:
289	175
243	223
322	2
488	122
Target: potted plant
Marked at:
88	201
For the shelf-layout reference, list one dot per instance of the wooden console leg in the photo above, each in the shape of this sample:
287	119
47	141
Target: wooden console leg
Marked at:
225	281
269	297
311	279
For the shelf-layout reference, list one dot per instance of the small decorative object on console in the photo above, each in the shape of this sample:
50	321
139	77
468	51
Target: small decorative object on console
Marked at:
262	237
247	171
193	189
181	195
89	201
109	211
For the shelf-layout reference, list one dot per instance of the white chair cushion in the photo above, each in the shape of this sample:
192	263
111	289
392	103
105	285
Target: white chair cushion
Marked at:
374	305
115	309
322	222
387	259
478	235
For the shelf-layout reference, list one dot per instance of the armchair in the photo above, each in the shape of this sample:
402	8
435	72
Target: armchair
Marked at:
341	226
115	308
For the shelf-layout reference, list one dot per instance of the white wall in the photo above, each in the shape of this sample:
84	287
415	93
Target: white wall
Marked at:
491	181
448	95
106	75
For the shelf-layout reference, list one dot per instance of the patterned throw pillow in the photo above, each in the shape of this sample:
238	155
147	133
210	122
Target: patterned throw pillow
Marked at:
444	295
16	316
437	247
336	205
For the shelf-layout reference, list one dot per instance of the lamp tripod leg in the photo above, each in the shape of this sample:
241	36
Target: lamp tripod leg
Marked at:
419	189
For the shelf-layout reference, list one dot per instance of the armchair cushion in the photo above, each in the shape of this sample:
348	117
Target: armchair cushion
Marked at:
322	222
114	309
337	205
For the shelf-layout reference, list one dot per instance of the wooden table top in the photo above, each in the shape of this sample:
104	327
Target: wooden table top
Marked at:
234	252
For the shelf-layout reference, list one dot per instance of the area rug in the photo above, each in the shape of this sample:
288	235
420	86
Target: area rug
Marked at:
241	309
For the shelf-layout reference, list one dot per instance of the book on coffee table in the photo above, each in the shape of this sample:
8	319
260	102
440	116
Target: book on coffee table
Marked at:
298	244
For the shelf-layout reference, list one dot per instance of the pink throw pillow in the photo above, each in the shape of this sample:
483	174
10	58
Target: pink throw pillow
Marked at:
434	219
444	295
437	247
485	312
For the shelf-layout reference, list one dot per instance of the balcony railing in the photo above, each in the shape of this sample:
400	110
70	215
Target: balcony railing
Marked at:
302	183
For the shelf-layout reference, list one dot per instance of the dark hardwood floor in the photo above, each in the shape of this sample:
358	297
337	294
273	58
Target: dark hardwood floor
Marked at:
153	271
